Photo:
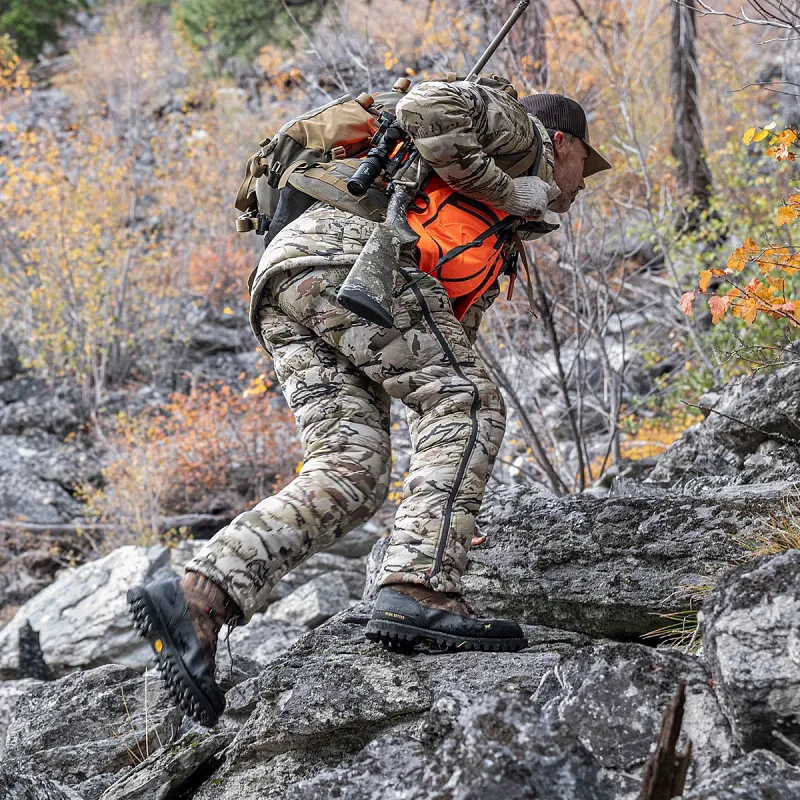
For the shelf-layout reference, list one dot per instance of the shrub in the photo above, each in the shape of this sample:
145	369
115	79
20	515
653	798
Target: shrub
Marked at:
234	29
34	23
212	449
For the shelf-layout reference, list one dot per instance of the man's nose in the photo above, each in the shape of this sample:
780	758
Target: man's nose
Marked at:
581	185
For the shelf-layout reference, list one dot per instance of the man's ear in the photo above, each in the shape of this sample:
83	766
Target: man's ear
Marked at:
559	143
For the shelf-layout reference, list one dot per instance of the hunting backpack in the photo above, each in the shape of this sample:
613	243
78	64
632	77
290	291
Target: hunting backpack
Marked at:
313	156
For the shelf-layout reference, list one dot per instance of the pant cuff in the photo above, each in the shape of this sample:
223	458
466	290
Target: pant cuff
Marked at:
210	570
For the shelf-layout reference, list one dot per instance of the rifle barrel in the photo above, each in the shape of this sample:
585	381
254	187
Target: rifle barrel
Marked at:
502	33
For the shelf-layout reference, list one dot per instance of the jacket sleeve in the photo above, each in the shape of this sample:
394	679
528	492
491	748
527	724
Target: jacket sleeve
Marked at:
459	126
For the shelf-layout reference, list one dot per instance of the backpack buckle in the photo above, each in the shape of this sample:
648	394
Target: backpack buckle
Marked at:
245	223
338	153
274	176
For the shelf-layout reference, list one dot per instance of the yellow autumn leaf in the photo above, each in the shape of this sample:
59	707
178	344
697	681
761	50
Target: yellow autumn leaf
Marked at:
794	200
750	247
787	137
761	135
748	135
786	214
705	279
736	260
227	310
749	310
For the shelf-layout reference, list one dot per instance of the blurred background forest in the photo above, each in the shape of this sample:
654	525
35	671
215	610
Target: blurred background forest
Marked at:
125	126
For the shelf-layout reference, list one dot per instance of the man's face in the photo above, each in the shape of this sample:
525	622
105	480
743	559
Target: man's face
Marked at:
570	156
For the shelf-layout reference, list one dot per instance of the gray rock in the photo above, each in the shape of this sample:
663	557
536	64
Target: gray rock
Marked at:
82	617
350	570
751	640
262	640
334	691
486	747
28	787
49	412
10	693
170	770
603	567
183	553
9	358
313	603
747	413
759	775
89	728
29	488
611	696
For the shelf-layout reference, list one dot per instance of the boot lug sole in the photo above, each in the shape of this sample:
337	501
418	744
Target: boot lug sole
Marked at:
392	634
149	623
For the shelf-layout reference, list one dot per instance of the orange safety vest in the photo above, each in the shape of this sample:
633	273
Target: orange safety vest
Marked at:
461	242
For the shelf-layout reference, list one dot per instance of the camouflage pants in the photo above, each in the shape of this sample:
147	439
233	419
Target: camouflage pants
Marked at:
338	373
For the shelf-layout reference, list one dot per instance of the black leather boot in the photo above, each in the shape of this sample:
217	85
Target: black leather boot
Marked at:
181	619
409	614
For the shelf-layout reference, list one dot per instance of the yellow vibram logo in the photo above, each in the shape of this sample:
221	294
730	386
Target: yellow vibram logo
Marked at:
158	645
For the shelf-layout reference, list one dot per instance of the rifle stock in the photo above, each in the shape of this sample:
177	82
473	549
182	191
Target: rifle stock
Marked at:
368	289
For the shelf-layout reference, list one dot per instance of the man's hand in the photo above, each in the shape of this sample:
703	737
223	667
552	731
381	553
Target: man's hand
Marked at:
529	197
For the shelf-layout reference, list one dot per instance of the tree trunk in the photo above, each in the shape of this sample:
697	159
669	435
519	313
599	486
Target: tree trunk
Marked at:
694	176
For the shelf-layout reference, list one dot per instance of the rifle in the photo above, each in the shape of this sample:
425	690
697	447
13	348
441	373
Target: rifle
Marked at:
368	289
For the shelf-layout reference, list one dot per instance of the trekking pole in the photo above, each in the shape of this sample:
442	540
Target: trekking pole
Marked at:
368	289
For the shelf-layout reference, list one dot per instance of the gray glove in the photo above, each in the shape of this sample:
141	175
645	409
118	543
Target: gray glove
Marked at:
529	197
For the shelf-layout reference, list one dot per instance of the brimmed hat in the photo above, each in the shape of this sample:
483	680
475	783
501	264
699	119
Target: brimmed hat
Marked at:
559	113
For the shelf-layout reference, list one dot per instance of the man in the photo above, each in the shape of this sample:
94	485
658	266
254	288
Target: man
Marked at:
338	373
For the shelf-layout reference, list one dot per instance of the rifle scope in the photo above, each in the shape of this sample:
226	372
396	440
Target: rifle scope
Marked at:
375	162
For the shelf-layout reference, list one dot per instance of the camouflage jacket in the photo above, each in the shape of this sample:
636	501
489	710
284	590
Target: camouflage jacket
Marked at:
457	128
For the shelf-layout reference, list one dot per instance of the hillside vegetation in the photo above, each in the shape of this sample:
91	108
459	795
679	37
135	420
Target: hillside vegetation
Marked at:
123	143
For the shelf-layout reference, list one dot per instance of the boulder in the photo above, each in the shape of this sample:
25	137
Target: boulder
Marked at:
611	696
333	692
28	787
603	567
759	775
313	603
751	640
752	414
10	693
89	728
82	617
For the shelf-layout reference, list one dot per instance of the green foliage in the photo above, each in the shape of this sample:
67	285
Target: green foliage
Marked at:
34	23
235	29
